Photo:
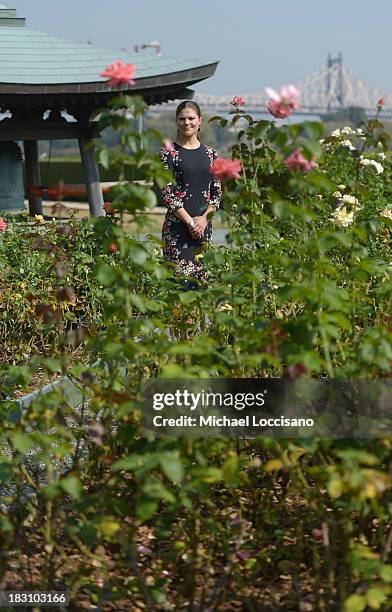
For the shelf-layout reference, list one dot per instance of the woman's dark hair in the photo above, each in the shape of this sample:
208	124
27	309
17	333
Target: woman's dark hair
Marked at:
188	104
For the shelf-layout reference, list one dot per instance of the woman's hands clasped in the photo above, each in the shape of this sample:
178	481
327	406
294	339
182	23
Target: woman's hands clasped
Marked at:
200	224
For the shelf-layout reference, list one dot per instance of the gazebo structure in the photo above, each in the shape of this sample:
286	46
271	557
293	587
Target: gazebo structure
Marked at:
41	73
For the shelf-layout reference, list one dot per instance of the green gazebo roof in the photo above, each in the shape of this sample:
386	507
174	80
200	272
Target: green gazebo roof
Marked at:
35	62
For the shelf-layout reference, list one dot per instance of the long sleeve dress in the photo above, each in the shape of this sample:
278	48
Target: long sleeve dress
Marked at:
194	189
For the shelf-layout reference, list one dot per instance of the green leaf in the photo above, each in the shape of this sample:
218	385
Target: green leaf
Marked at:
106	275
6	525
152	306
230	471
312	149
109	528
281	209
335	486
155	489
353	455
137	253
146	461
72	486
223	122
313	129
386	573
103	158
22	442
172	467
278	137
207	474
52	490
158	595
137	301
174	370
5	472
188	297
54	365
146	508
127	464
354	603
259	128
375	598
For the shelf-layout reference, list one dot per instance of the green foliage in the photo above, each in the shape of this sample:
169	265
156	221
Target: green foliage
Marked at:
47	277
118	515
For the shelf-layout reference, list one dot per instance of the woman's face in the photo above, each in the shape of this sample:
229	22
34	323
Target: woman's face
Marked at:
188	122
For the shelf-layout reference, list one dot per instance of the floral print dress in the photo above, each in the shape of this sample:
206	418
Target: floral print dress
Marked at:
194	189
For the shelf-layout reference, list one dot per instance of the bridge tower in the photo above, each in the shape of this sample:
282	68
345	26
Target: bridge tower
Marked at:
335	79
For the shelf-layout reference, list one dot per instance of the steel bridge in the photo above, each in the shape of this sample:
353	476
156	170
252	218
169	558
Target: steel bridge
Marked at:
327	90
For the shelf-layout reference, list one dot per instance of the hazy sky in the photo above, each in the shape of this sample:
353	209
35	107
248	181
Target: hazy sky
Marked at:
259	42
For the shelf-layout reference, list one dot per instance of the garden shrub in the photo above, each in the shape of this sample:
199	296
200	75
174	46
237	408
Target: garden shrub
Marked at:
302	289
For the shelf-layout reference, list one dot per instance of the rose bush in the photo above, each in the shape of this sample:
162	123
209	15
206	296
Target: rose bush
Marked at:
36	262
303	288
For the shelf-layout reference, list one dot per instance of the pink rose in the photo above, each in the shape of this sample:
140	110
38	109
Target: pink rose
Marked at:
289	94
237	101
297	162
226	168
167	143
278	109
3	225
119	74
282	105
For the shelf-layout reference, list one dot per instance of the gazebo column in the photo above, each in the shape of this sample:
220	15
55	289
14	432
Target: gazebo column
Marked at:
91	176
33	175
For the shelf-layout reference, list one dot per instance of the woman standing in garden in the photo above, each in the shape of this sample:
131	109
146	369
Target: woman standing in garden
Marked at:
190	198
